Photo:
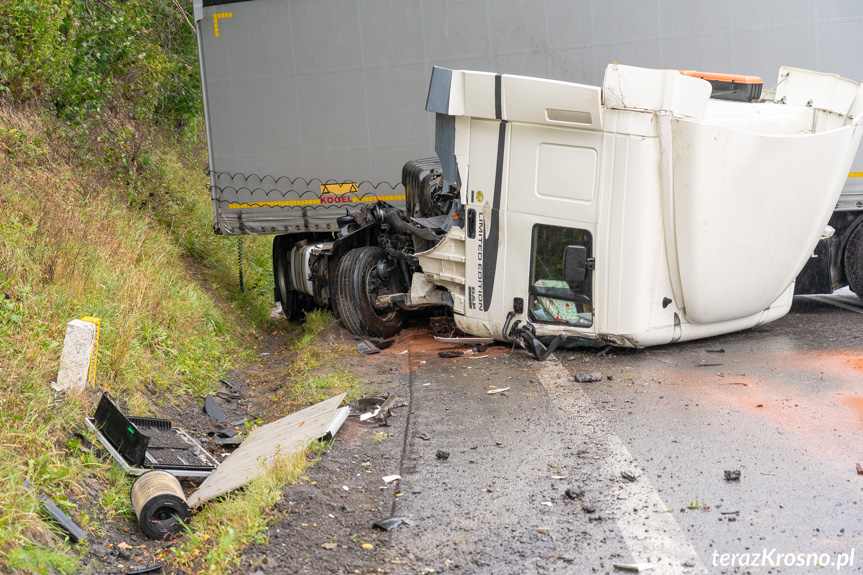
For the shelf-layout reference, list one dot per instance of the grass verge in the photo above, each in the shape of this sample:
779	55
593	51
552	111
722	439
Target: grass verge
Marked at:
76	243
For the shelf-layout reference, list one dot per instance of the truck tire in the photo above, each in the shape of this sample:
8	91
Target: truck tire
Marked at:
285	292
359	284
852	261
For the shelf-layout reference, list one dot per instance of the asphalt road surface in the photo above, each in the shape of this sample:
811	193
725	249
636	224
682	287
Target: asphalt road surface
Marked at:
555	476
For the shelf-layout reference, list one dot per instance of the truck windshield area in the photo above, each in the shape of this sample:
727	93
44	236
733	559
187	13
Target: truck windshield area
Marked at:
552	298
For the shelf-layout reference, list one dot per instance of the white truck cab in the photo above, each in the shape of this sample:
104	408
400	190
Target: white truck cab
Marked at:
635	214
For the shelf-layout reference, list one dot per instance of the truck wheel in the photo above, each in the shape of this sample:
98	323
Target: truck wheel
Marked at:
285	292
361	279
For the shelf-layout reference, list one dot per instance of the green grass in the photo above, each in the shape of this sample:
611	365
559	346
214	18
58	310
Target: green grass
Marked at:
72	243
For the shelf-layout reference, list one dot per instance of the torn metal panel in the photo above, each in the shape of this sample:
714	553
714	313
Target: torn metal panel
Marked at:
284	436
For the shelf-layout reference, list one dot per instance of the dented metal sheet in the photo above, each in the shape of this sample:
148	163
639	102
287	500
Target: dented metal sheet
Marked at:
287	435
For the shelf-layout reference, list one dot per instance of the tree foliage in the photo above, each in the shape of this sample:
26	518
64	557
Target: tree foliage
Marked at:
80	56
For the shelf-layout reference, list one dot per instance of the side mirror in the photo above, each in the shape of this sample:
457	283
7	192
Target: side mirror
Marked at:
574	263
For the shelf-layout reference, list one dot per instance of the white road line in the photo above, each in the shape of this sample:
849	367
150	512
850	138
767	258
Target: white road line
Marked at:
652	535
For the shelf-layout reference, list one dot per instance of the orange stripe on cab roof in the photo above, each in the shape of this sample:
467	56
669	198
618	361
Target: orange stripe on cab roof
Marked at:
737	78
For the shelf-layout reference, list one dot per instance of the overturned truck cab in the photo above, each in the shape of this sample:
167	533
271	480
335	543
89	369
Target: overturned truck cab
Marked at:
639	214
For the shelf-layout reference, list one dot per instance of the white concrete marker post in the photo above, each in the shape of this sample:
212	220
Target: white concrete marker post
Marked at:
77	353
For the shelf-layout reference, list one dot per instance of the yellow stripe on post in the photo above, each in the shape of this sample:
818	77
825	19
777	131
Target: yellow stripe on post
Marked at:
94	352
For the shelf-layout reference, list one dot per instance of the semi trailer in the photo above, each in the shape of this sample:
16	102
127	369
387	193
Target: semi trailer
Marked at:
660	206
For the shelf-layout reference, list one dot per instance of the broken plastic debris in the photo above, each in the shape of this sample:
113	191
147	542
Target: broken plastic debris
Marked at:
212	409
546	503
494	391
232	393
387	343
588	377
369	415
442	455
558	476
366	347
628	476
390	478
390	523
57	514
329	546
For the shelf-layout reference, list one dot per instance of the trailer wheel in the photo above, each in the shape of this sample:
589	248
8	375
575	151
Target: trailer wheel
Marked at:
285	292
362	277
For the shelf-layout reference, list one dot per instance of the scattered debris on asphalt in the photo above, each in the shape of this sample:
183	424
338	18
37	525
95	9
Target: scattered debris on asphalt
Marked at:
391	523
731	512
588	507
390	478
574	493
733	475
704	364
329	546
588	377
213	409
277	439
424	437
382	408
442	455
366	347
628	476
494	391
75	532
450	354
633	567
558	476
547	503
720	350
859	469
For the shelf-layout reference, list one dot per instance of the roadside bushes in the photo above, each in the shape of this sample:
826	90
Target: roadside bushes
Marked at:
81	56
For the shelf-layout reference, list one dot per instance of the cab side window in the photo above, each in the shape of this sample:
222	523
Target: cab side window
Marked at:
553	299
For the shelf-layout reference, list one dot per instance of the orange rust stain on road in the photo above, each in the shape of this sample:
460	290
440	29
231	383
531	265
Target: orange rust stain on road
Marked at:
855	402
817	419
